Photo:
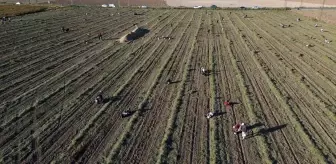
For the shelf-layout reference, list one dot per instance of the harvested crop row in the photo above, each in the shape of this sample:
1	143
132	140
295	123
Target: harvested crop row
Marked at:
148	131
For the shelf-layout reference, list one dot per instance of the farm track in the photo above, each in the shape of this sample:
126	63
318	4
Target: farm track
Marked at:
284	91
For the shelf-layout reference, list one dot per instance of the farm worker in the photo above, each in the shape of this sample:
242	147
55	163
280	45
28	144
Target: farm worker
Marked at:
240	127
100	36
243	128
126	114
202	70
236	128
99	99
227	104
209	115
65	29
316	25
326	41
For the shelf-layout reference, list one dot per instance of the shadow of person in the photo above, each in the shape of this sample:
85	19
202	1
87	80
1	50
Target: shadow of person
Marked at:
266	131
230	105
218	113
255	125
174	82
110	99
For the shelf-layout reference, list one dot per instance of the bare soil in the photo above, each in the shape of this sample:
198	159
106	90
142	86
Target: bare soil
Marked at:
326	15
283	90
15	10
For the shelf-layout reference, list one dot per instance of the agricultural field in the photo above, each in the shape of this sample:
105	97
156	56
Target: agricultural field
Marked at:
282	82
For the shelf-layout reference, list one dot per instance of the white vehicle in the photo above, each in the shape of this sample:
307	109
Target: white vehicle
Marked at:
18	3
111	5
104	5
197	7
144	7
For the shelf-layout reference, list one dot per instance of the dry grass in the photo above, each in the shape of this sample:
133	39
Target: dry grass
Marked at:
16	10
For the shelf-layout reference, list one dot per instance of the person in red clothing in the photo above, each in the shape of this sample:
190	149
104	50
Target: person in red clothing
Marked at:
240	127
227	103
236	128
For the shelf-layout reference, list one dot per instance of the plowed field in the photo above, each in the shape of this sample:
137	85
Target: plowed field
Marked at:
284	90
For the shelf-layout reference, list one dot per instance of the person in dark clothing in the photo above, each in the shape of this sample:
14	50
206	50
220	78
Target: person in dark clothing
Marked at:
99	99
100	36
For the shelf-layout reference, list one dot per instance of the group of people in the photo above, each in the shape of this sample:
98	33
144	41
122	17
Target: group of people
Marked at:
100	100
238	128
322	30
